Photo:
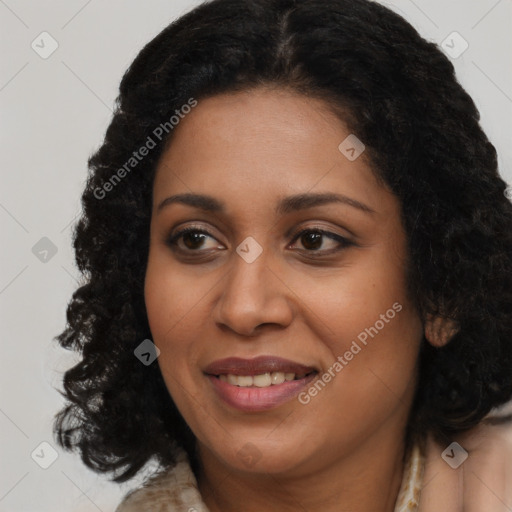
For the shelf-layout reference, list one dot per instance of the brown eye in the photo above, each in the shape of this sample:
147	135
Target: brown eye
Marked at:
191	239
312	240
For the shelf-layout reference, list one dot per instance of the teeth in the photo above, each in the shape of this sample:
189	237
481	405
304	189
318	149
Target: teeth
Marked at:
277	378
260	381
245	380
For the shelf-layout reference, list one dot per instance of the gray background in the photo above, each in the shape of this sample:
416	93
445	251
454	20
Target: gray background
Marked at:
54	113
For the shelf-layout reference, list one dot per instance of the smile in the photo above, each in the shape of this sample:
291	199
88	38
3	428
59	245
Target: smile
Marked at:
258	384
263	380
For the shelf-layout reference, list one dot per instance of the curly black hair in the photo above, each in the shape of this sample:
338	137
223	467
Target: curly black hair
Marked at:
399	94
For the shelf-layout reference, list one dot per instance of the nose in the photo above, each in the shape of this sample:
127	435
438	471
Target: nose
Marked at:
254	297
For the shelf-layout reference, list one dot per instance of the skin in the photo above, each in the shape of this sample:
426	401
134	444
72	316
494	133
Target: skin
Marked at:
481	482
344	449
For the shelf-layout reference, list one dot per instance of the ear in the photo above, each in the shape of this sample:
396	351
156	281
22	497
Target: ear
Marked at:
439	330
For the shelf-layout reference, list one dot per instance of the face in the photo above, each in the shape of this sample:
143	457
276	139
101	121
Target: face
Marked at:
294	263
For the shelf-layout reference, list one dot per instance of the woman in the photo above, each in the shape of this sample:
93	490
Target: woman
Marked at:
296	204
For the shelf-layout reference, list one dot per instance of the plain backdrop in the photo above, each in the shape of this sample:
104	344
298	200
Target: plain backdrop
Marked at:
54	113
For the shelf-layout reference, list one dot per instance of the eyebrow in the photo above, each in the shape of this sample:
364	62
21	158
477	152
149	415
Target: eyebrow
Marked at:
286	205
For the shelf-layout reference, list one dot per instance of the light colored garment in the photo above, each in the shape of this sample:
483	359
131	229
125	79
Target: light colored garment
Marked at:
482	483
173	491
176	490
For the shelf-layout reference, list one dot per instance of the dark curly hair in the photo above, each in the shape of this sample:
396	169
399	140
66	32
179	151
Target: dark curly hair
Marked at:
398	93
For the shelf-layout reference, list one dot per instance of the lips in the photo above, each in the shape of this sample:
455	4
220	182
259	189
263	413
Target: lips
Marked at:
256	366
259	384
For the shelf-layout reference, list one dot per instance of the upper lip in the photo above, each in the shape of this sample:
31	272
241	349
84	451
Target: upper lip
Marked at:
256	366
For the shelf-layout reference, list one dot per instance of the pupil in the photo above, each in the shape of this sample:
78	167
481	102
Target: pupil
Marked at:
195	238
312	240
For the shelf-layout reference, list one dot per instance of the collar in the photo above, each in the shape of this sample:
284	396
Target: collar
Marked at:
176	489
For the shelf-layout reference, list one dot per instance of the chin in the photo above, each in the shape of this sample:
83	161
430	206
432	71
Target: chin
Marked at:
265	456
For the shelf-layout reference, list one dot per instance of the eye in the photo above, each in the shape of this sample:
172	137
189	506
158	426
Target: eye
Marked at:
192	239
312	239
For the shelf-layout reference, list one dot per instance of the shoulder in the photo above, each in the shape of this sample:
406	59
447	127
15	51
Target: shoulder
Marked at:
473	470
172	490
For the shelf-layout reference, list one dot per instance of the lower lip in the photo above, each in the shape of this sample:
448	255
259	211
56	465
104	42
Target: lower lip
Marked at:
259	399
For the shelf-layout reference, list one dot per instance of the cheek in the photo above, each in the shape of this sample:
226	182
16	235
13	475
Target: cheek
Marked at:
179	316
365	309
369	320
172	297
372	364
170	301
369	294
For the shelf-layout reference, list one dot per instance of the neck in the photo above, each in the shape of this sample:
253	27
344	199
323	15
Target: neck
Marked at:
366	480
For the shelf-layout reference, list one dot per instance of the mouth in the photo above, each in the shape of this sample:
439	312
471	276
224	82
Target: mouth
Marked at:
263	380
258	384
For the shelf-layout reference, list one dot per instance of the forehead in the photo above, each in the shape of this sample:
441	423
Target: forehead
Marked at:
259	145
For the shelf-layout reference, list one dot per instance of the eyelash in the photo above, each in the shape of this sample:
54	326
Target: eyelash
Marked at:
342	241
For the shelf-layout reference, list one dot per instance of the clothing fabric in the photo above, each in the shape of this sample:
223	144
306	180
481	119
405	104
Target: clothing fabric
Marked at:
176	490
